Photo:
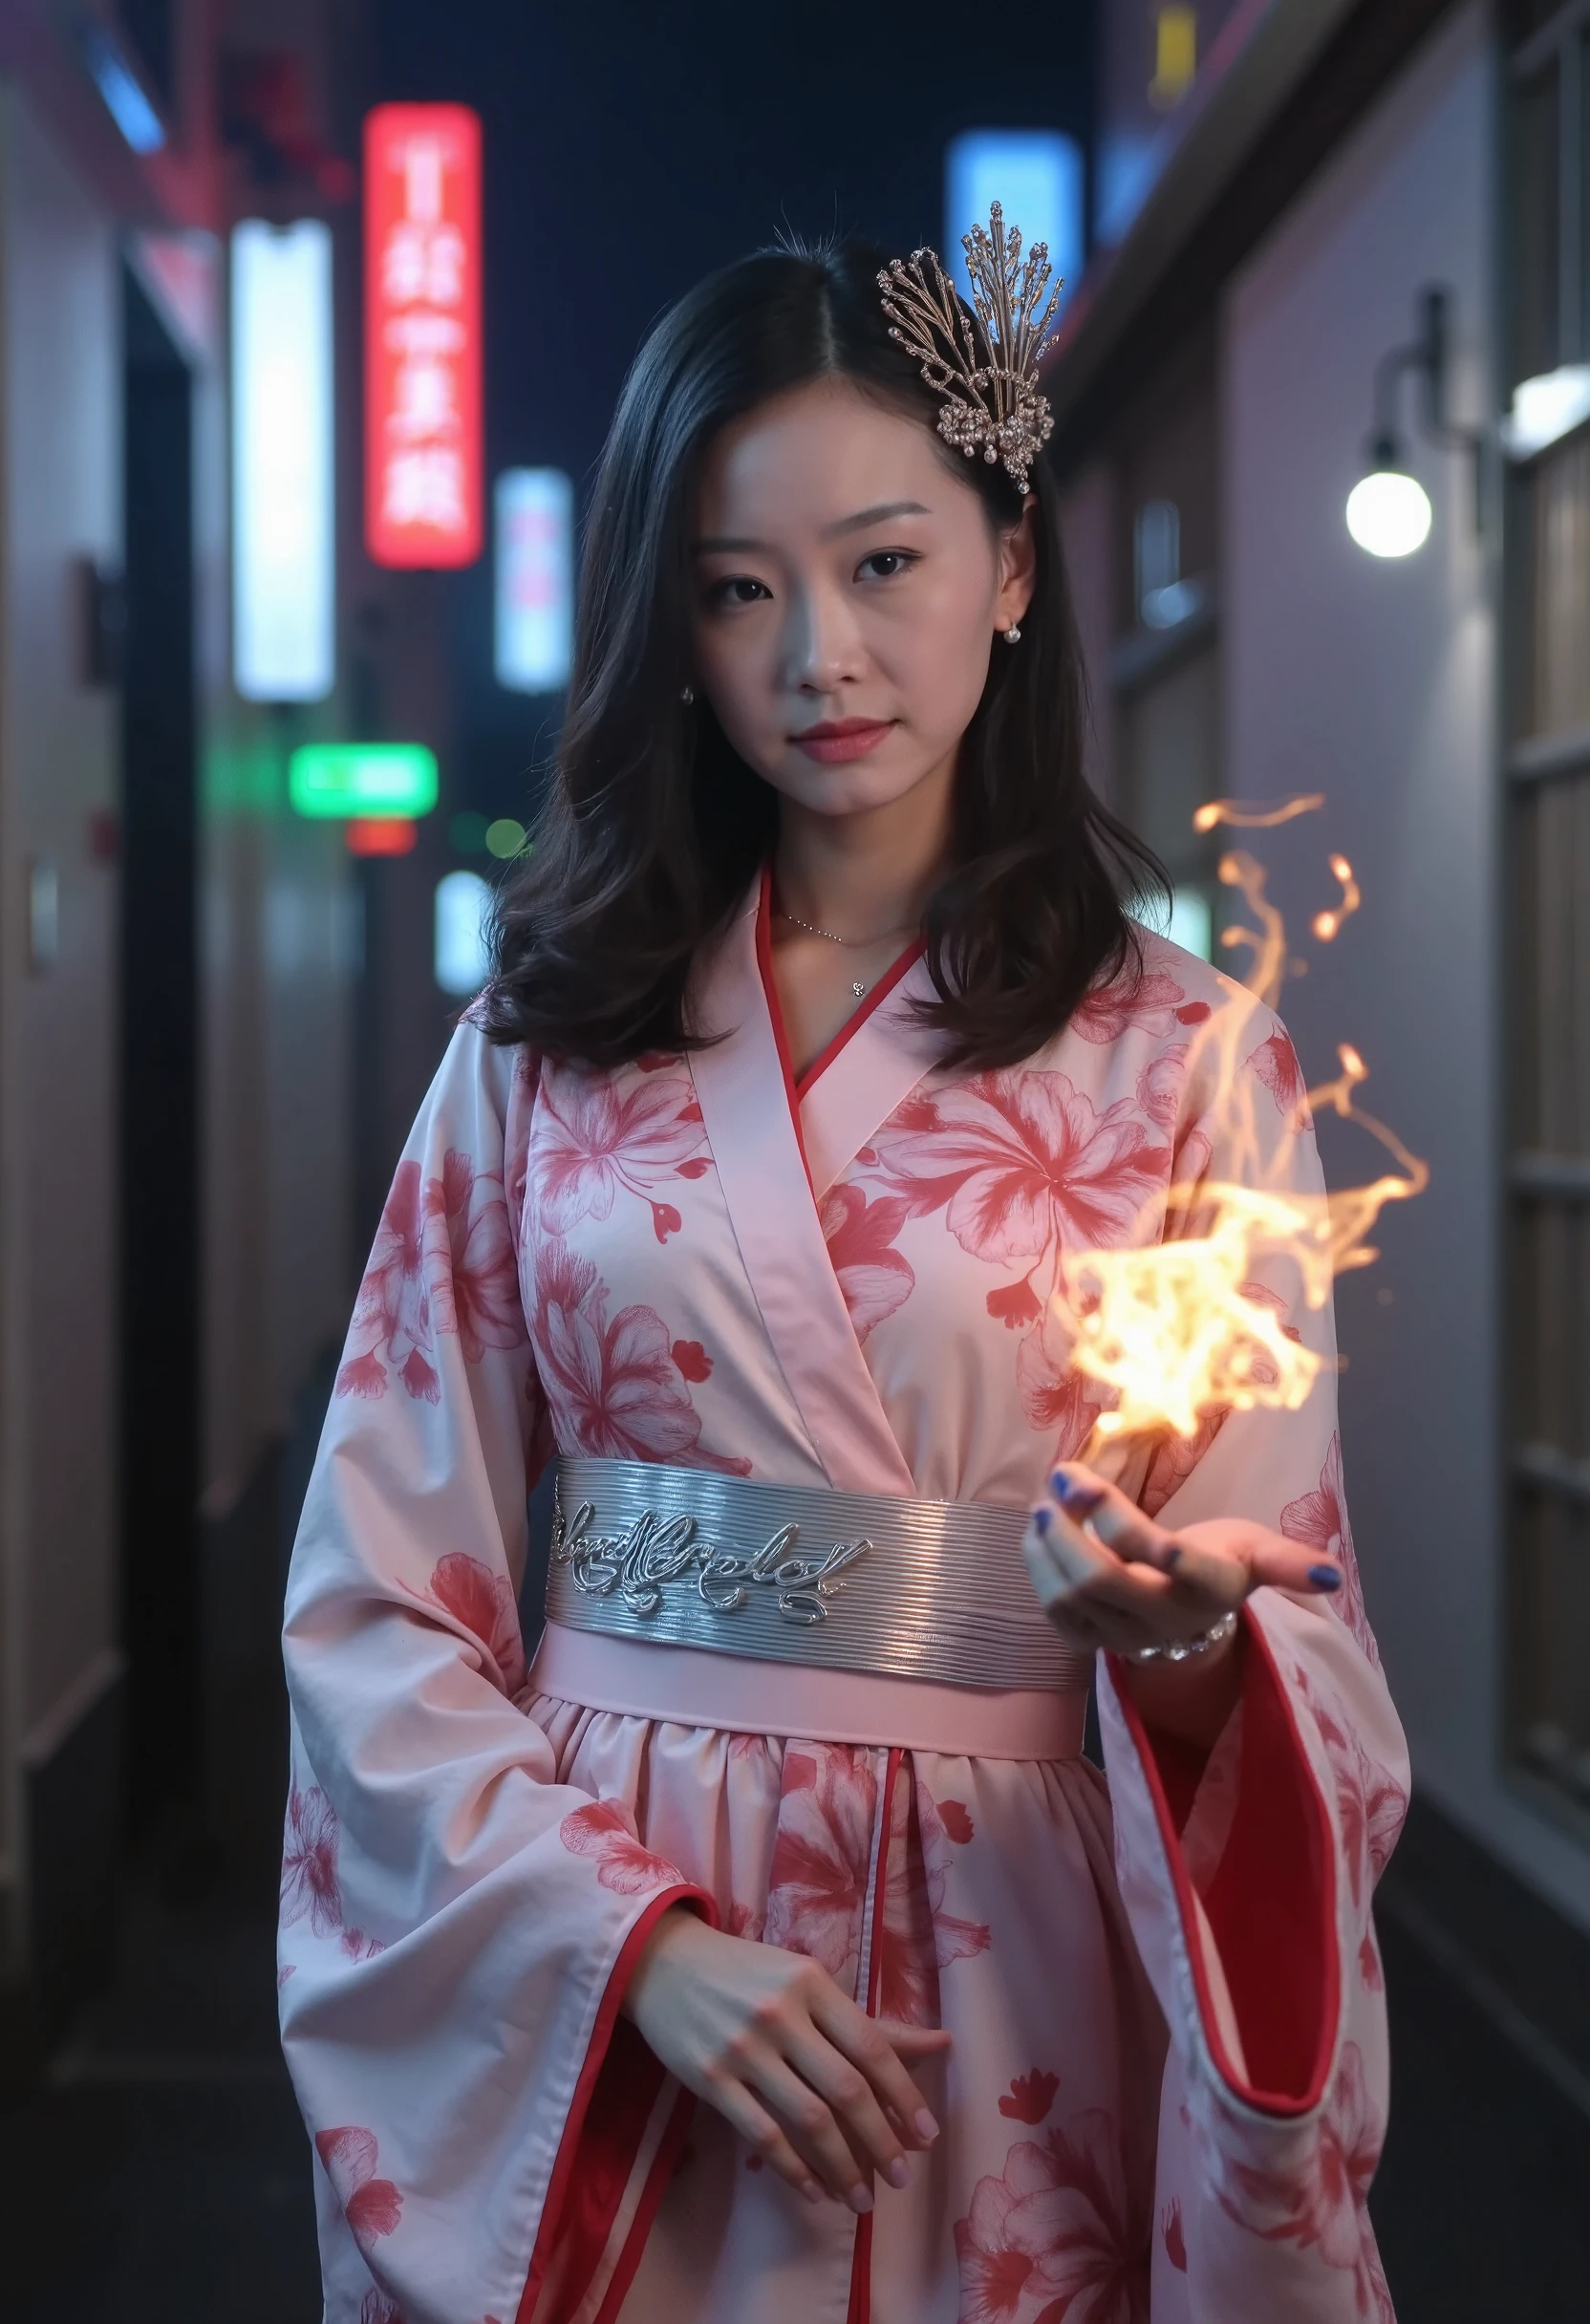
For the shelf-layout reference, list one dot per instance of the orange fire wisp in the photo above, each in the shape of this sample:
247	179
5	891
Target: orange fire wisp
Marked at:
1327	925
1193	1320
1171	1328
1244	818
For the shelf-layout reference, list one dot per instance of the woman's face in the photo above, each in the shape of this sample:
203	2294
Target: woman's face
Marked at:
848	594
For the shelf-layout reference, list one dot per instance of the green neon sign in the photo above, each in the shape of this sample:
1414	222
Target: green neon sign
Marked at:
327	779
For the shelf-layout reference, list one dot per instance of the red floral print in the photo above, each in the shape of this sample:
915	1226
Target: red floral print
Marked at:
874	1278
1016	1306
482	1602
606	1830
1174	1461
1319	1519
360	1948
1030	2097
1368	1964
1064	1403
1370	2280
1261	1296
1325	2206
1000	2253
377	2309
956	1818
1021	1159
516	1137
470	1273
822	1854
690	1360
443	1261
1062	2235
1274	1062
1159	1087
309	1888
597	1132
1189	1165
919	1938
614	1385
1175	2241
1149	1001
390	1316
372	2206
1370	1805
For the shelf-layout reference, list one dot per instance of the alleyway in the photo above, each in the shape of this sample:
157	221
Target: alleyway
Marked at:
163	2174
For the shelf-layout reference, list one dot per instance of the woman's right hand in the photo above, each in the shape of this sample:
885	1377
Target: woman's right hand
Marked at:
811	2083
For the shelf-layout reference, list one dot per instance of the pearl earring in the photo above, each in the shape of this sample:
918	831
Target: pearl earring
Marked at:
1013	636
687	694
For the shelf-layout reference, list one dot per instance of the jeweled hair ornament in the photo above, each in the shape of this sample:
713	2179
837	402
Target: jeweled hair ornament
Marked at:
993	405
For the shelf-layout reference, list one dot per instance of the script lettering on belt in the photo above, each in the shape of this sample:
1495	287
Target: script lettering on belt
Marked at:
653	1552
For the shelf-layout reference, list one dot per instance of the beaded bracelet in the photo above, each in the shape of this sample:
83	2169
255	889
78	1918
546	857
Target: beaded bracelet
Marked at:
1183	1649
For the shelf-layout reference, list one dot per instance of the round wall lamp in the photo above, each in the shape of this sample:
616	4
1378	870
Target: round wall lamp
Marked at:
1389	510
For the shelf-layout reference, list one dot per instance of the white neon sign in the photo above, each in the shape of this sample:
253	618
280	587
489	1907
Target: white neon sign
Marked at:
534	513
1037	177
463	954
284	626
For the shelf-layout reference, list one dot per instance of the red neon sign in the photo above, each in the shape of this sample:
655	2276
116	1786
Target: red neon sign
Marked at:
382	834
422	488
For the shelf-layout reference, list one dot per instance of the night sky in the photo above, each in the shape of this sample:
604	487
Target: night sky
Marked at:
629	150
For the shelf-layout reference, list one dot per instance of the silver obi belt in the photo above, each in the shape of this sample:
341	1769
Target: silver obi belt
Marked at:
934	1590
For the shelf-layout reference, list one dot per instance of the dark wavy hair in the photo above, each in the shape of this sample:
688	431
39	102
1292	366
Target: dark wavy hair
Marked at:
653	825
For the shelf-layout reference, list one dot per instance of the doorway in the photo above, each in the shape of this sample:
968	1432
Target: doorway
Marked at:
159	1045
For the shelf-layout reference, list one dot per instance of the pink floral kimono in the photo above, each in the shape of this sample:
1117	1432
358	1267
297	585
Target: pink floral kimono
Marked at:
1167	2086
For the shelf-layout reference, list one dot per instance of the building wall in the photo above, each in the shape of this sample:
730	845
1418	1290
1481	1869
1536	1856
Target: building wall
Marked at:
1089	524
59	502
1375	683
278	963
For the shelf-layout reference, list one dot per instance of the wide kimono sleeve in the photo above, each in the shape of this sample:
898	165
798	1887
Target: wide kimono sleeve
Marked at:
457	1925
1248	1878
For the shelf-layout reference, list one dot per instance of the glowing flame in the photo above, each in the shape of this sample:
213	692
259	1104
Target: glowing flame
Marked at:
1242	817
1181	1328
1327	925
1268	941
1355	1209
1174	1329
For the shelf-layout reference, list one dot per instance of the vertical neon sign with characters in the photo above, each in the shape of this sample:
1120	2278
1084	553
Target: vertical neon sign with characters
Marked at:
423	336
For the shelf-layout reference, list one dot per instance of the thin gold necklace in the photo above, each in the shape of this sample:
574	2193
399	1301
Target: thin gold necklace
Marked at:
857	987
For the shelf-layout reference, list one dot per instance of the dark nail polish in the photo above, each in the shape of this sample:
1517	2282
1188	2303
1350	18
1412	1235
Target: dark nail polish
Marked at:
1171	1558
1040	1519
1074	1498
1325	1577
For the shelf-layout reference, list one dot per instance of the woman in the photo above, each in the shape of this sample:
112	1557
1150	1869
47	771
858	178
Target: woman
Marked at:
768	1951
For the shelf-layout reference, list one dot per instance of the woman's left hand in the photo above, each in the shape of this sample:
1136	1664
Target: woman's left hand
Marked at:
1107	1576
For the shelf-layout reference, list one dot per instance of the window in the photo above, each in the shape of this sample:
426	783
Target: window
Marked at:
1547	586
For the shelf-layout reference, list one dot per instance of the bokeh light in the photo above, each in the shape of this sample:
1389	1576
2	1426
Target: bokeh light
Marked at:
463	913
504	838
1389	514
